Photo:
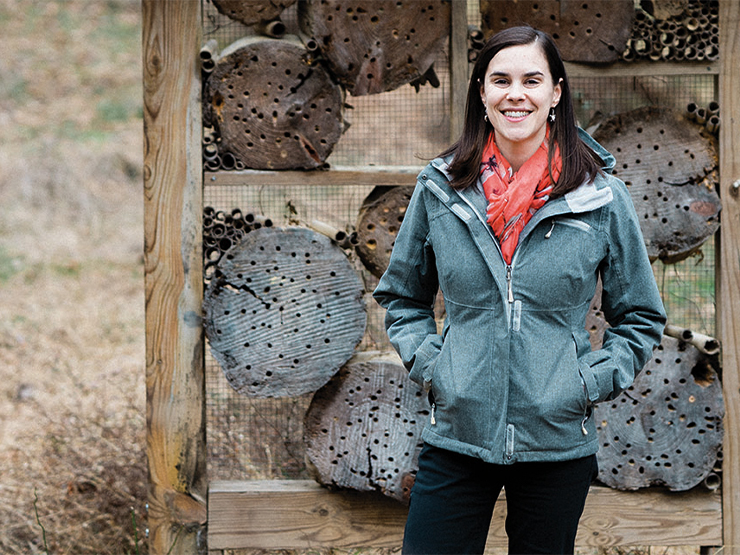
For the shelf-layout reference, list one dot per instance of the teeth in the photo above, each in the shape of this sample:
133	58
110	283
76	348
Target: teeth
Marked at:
512	114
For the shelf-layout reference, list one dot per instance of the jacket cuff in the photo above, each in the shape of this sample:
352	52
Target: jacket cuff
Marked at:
589	380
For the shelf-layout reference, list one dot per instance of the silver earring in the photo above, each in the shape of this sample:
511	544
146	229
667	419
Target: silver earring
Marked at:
485	116
551	117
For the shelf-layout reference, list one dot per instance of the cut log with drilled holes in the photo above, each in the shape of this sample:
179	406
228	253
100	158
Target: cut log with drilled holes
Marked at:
378	45
251	12
273	108
595	31
380	218
363	429
666	429
670	167
284	311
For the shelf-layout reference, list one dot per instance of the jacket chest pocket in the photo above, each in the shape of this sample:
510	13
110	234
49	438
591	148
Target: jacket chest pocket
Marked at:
463	273
561	264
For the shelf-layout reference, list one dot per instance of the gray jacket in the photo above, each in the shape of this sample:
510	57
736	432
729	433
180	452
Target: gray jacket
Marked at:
513	377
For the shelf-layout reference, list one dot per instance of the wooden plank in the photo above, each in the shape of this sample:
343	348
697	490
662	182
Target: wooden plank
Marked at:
728	296
341	175
459	68
301	514
642	69
173	274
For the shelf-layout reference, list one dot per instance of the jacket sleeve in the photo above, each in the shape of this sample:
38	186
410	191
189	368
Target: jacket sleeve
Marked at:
630	302
407	291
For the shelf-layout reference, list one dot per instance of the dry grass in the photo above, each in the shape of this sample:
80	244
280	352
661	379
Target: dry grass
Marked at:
73	476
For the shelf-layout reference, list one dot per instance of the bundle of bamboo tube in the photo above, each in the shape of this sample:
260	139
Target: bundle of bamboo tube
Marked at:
222	230
692	35
708	116
215	158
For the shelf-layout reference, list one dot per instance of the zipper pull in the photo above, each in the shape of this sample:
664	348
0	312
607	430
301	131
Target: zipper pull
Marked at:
583	425
549	233
508	284
433	421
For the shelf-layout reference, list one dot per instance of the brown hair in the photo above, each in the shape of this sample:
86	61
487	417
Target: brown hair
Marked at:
580	162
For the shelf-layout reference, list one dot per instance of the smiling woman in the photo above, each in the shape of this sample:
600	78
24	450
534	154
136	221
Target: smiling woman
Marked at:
515	224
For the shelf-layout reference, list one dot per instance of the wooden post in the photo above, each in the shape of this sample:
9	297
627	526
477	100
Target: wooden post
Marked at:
459	73
173	275
728	297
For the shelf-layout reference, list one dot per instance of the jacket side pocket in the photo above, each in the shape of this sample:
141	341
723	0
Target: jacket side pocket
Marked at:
422	368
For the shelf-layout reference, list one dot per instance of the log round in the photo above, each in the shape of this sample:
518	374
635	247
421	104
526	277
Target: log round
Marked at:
363	429
272	107
380	218
595	31
670	167
666	429
373	46
283	312
251	12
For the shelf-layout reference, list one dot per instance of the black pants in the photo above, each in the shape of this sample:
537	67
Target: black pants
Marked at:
453	498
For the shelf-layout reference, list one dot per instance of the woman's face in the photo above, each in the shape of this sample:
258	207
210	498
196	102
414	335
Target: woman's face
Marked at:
518	92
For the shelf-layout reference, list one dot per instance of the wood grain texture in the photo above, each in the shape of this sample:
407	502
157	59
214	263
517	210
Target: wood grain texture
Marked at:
728	298
666	428
669	165
377	46
173	275
251	12
377	225
459	67
594	31
301	514
363	429
284	312
274	108
341	175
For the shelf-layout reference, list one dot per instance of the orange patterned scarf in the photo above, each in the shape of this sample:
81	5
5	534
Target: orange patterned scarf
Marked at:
514	198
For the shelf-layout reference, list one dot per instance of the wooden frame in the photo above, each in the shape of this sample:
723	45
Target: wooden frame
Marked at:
173	189
301	514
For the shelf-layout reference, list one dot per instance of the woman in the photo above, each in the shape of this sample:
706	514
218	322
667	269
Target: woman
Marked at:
515	223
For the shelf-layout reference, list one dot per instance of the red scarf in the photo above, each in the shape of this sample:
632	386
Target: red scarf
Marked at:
514	197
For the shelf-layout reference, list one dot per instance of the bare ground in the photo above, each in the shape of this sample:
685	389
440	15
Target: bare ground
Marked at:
72	393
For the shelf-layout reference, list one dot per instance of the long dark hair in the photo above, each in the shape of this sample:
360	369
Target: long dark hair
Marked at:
579	161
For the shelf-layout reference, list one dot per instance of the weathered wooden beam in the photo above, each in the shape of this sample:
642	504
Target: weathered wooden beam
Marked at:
728	297
173	274
459	72
298	514
341	175
641	69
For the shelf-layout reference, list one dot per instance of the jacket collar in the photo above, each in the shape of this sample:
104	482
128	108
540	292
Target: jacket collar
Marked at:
589	196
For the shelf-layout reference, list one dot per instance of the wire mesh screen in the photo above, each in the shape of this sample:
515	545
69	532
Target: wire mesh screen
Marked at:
251	438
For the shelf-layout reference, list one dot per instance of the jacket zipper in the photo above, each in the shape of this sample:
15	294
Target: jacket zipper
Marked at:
433	421
509	287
